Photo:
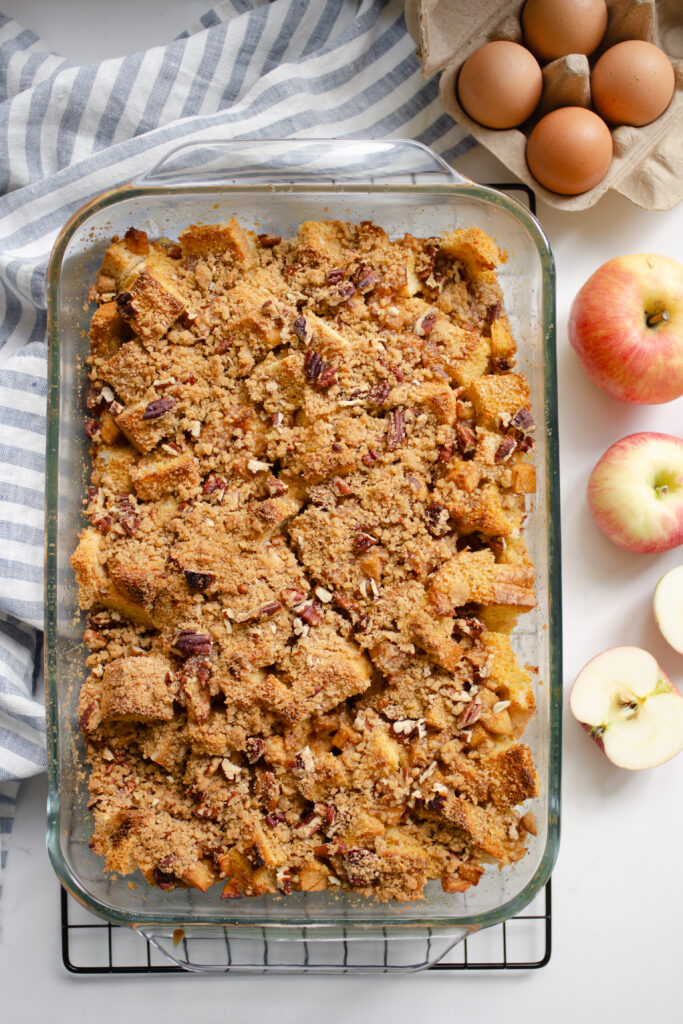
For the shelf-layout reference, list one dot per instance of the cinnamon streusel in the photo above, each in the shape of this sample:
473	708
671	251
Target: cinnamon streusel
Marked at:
303	562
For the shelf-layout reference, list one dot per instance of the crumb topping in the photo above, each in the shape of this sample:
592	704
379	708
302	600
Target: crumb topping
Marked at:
303	561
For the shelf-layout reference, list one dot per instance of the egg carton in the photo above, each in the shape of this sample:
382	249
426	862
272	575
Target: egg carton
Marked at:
647	166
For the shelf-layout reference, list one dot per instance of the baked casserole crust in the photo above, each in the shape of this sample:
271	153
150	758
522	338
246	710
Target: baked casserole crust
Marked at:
304	560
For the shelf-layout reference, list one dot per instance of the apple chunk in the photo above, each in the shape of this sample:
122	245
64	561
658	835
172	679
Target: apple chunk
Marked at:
629	707
668	607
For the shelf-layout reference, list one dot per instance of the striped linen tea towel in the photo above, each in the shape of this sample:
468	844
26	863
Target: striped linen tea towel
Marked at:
247	69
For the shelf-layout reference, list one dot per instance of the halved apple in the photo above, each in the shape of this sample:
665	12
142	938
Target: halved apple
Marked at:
629	707
668	607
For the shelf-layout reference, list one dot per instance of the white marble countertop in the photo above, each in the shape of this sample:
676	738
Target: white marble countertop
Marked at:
616	886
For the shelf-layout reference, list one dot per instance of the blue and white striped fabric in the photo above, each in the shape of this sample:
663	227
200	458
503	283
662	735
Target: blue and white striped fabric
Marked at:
249	68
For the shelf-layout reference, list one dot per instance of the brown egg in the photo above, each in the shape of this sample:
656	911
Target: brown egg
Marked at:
569	150
632	83
500	84
554	28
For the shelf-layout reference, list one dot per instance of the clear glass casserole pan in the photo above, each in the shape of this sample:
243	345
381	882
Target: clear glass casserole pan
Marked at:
273	186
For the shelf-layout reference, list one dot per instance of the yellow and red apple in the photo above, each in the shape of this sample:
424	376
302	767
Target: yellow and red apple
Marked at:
626	326
630	707
635	492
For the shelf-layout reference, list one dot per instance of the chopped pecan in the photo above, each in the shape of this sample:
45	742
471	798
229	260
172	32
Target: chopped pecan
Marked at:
275	818
396	431
470	715
362	625
264	612
505	449
437	517
300	329
363	541
335	275
190	642
268	241
424	325
367	282
468	626
313	364
199	580
370	457
213	483
525	444
501	364
328	377
523	420
223	345
362	866
92	428
311	614
467	439
275	487
159	407
447	450
254	748
379	392
292	595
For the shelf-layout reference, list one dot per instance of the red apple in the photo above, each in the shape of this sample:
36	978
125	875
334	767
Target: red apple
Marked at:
629	707
635	492
626	325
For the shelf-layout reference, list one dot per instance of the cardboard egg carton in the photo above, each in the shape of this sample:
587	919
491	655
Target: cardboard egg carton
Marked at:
647	166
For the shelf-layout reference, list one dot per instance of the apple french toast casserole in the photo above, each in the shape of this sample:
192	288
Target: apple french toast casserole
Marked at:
304	561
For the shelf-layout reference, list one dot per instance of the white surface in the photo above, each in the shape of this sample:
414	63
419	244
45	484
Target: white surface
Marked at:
616	886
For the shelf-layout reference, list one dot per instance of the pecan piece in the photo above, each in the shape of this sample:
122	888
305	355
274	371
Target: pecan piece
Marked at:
437	517
92	428
253	748
379	392
447	450
268	241
505	449
335	275
424	324
190	642
362	866
396	432
198	580
470	715
275	487
223	345
274	818
311	614
370	457
313	364
328	377
213	483
467	439
523	420
300	329
159	407
363	541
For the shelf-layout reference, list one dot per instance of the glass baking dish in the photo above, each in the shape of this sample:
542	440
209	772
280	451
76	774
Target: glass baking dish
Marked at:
273	186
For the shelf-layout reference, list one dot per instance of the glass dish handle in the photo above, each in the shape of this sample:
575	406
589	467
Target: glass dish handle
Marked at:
214	949
340	162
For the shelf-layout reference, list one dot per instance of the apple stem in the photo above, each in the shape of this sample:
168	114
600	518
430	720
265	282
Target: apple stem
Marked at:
656	318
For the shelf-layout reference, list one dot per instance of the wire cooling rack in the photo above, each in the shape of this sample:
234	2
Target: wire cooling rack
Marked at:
524	942
93	946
